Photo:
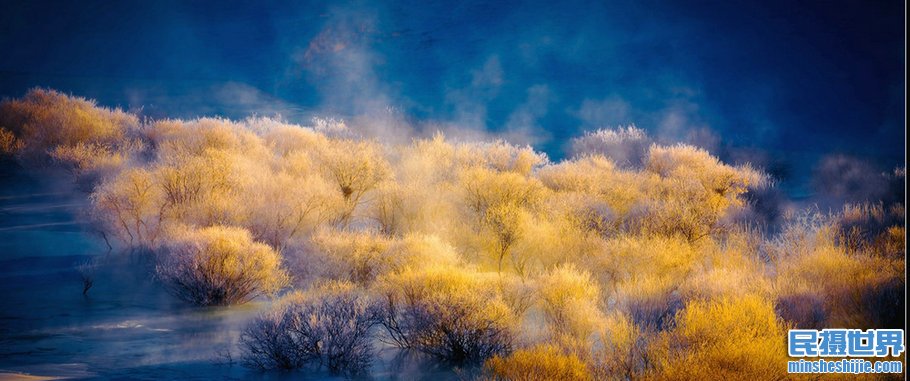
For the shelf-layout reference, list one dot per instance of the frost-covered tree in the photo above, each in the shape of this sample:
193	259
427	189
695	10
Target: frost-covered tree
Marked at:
329	326
219	266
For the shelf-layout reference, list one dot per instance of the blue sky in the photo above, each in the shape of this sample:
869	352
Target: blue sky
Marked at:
777	82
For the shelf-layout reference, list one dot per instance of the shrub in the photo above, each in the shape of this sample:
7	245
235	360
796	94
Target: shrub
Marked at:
733	265
329	326
268	343
846	283
504	157
621	349
219	265
870	227
9	145
731	338
625	145
805	310
199	189
651	301
389	209
540	363
92	162
87	270
429	161
570	306
620	257
43	120
357	257
362	257
283	206
884	303
497	204
453	314
285	139
485	189
693	191
583	175
644	275
418	250
130	206
356	167
852	290
554	236
175	139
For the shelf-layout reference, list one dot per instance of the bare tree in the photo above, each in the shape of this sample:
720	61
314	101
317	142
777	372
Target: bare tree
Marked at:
327	327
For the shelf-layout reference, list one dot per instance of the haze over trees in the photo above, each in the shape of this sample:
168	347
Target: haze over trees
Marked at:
628	260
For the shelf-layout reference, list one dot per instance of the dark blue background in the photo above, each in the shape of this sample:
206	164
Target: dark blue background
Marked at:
786	80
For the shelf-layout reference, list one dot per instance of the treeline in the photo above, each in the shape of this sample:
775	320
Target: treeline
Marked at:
628	260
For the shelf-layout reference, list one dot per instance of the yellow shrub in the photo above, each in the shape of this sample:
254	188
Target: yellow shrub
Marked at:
219	265
644	274
570	301
581	175
548	240
427	161
870	228
361	257
451	313
541	363
736	338
284	139
621	352
629	258
356	167
729	267
44	119
498	207
693	191
192	185
100	160
390	209
130	207
277	209
177	138
597	176
682	161
850	289
358	257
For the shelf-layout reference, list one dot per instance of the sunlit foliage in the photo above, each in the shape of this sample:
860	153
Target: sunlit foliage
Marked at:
570	301
454	314
691	192
362	257
542	363
45	120
631	259
131	208
827	280
730	338
219	265
355	167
